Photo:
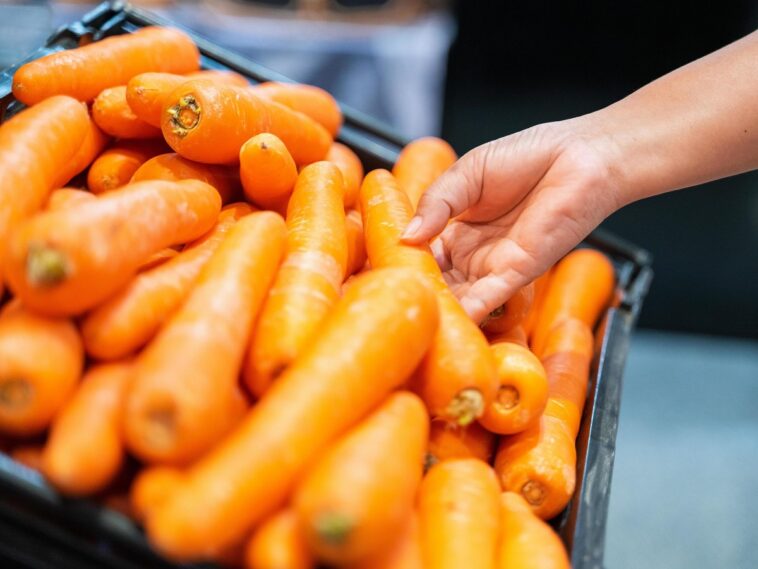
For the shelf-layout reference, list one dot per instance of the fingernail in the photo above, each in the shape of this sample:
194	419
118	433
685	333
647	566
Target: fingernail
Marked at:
413	226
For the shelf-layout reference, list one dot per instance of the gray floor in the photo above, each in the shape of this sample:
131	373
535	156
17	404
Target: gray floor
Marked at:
685	487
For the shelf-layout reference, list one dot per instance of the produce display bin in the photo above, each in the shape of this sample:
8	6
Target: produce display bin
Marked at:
41	529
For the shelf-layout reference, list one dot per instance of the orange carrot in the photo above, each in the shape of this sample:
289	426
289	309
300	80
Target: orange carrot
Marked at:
113	115
309	281
151	488
312	101
449	441
85	450
345	372
40	364
512	313
116	166
420	163
457	380
158	258
352	171
353	499
210	122
84	72
581	287
65	198
404	553
186	379
172	167
28	455
278	544
356	243
267	171
541	285
525	540
127	320
64	262
460	517
515	335
522	394
94	143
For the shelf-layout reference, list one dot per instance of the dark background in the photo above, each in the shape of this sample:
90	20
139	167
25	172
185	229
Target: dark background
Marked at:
515	64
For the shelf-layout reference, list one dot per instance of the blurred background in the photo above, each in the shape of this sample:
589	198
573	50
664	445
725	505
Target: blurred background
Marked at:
687	451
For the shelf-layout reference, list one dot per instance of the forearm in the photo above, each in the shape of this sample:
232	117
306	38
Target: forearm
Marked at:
693	125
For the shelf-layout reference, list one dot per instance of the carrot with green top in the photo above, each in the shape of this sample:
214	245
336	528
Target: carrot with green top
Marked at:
450	441
310	100
457	379
348	369
267	171
65	262
116	166
278	543
310	280
352	171
420	163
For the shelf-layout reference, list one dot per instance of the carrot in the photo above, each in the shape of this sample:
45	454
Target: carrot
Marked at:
356	243
278	544
172	167
522	394
94	143
151	488
85	450
515	335
65	198
267	171
309	281
28	455
460	517
525	540
113	115
353	498
84	72
541	285
420	163
40	364
512	313
158	258
186	379
457	379
404	553
210	122
127	320
449	441
146	92
581	287
64	262
312	101
373	339
352	171
540	462
116	166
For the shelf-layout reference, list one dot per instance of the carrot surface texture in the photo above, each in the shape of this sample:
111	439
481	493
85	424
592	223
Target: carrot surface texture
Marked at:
84	72
354	499
127	320
516	335
184	396
40	365
356	242
116	166
540	462
310	279
460	515
278	543
450	441
85	450
344	373
352	171
210	122
512	313
65	198
420	163
267	171
64	262
310	100
457	379
151	488
403	553
113	115
91	147
541	285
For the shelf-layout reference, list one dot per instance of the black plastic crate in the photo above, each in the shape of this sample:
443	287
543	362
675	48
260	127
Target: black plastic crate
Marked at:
41	529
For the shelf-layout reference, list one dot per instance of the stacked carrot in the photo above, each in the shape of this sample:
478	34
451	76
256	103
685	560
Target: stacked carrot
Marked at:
298	386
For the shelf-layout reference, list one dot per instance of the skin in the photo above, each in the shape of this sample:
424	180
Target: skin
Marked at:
527	199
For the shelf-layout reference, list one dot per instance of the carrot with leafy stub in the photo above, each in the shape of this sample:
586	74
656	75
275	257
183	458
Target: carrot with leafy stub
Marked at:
541	285
210	122
352	171
309	282
450	441
403	553
267	171
67	261
28	455
82	73
526	540
356	242
85	450
151	487
65	198
40	365
460	515
278	543
92	146
353	499
510	314
113	115
581	286
457	379
310	100
420	163
347	370
116	166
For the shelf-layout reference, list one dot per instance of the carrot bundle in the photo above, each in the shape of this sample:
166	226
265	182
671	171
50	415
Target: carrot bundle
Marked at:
310	100
450	441
278	543
346	371
457	379
184	396
109	62
116	166
267	171
420	163
112	114
310	279
352	171
66	261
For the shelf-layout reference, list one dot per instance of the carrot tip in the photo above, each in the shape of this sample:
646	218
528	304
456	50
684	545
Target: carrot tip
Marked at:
185	115
466	407
15	393
46	266
333	528
534	492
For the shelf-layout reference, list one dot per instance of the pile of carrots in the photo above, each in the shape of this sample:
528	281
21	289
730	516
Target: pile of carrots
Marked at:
210	322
